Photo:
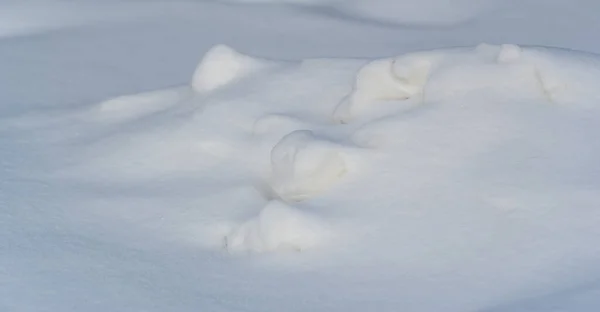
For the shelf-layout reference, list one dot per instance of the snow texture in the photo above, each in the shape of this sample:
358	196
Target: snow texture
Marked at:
304	165
343	155
277	227
220	66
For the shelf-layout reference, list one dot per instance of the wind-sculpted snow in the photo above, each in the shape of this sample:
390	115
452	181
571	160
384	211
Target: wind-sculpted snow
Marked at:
221	66
429	111
467	175
441	75
304	165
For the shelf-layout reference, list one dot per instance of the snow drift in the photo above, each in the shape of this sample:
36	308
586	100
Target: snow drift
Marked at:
468	175
505	71
466	124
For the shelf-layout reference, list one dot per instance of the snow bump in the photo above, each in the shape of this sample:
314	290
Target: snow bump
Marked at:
304	165
220	66
277	227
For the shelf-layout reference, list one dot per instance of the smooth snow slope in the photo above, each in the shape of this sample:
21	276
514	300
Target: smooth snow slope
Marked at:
426	12
456	179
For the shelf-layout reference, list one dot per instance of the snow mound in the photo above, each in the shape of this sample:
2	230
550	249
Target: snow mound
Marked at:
304	165
277	227
502	71
385	80
475	178
222	65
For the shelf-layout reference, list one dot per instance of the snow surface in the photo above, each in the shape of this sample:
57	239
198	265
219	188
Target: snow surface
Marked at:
322	156
431	12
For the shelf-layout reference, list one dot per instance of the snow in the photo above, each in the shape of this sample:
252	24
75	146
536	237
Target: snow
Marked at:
277	227
427	12
303	165
322	156
222	65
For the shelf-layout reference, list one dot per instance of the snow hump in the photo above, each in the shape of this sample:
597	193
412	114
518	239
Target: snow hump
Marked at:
277	227
501	71
220	66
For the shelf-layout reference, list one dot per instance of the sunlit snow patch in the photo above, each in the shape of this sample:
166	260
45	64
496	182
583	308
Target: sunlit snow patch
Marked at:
222	65
389	79
277	227
433	100
304	165
504	71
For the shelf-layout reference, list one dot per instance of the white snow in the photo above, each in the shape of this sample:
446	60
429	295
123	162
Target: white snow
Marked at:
220	66
277	227
341	155
304	165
